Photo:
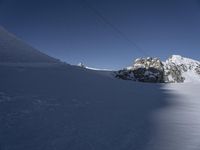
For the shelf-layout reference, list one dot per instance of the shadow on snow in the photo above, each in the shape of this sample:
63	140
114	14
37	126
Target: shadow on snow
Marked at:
68	108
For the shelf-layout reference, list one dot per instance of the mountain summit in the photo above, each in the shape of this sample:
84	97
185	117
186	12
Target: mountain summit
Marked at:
174	69
13	50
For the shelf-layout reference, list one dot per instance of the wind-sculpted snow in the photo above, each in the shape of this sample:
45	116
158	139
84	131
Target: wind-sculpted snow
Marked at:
65	107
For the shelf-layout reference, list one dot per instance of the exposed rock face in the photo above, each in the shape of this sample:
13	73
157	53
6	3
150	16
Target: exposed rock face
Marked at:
125	74
173	73
175	69
197	69
144	70
148	70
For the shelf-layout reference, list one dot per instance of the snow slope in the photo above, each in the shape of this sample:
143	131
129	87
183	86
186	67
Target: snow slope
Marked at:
67	107
13	50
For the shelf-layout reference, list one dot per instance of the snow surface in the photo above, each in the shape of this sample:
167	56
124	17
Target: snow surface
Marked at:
67	107
191	76
178	125
97	69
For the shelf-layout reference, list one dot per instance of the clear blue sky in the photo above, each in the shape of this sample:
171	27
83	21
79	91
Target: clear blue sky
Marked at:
73	32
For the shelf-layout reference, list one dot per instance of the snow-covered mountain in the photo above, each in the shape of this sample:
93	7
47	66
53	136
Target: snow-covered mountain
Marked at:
174	69
189	69
13	50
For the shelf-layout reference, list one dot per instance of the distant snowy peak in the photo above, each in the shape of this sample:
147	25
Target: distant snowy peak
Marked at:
174	69
14	50
179	60
189	68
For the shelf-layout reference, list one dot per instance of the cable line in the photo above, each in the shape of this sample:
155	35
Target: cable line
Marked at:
115	28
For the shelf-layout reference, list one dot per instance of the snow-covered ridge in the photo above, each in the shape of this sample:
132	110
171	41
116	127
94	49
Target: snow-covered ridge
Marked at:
178	59
189	68
14	50
174	69
92	68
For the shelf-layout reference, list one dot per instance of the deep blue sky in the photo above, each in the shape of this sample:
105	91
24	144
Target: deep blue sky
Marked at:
69	30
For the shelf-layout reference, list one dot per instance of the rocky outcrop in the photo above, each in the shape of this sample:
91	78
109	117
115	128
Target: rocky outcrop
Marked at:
125	74
148	70
197	69
144	70
173	73
175	69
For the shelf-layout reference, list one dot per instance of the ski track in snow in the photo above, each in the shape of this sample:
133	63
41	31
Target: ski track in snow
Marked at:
66	107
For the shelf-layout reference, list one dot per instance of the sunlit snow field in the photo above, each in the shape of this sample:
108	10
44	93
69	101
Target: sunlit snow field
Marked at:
178	125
